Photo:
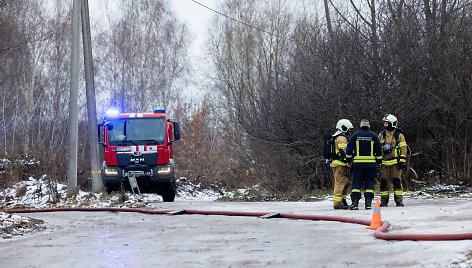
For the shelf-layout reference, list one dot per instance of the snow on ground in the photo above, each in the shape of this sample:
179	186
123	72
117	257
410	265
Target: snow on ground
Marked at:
35	193
39	193
14	225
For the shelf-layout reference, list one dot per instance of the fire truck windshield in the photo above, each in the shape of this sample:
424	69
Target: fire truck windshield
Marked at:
137	131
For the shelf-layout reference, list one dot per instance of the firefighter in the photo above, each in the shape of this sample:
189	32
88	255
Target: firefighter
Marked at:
394	161
339	166
364	153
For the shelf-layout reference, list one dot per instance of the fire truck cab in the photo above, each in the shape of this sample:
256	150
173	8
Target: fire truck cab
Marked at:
138	152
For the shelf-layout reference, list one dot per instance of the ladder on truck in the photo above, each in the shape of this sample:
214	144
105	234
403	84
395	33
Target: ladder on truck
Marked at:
132	180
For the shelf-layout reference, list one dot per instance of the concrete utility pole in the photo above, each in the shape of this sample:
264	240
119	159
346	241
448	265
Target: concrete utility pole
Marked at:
91	103
73	118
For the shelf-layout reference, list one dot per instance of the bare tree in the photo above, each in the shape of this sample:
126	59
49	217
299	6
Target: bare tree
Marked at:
33	74
403	57
250	58
144	54
328	17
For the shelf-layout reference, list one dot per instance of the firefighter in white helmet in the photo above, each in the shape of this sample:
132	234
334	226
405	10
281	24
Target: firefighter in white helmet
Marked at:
339	166
394	160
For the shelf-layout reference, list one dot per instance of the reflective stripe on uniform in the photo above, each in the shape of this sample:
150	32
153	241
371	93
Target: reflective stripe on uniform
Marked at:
364	160
384	193
398	192
341	146
357	149
369	191
356	190
402	144
390	162
402	158
339	162
364	157
337	198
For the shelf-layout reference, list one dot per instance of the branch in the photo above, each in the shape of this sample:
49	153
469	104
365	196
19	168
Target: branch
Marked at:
360	15
4	3
345	19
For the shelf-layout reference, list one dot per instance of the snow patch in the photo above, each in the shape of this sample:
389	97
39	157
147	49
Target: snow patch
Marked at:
43	193
14	225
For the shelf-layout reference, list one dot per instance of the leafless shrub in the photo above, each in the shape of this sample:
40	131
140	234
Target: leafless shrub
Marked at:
407	58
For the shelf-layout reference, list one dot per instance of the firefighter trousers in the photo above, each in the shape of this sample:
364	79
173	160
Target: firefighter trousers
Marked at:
391	175
341	185
364	175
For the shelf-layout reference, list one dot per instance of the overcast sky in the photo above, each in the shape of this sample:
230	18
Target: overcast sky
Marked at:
197	19
193	15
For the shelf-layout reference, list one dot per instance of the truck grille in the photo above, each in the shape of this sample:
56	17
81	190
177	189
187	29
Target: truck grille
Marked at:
127	159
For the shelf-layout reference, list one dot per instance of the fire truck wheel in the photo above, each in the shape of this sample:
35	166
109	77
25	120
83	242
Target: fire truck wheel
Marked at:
112	188
168	195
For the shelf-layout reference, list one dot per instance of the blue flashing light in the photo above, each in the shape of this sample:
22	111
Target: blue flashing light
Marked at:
112	111
160	111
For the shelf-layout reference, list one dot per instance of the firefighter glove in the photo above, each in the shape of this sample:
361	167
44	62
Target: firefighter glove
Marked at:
401	165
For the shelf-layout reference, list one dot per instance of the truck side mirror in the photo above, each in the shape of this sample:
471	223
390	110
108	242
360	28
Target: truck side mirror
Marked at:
100	129
176	131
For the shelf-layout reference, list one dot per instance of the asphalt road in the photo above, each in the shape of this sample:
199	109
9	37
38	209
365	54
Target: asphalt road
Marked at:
107	239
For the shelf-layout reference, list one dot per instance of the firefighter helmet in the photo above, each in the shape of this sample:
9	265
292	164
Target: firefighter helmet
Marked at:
344	125
390	118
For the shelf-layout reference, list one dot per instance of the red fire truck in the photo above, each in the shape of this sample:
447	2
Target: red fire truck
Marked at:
138	152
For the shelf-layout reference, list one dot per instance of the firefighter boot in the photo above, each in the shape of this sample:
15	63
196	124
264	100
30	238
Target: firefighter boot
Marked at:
345	203
384	201
355	204
384	193
338	203
399	200
341	207
368	203
398	194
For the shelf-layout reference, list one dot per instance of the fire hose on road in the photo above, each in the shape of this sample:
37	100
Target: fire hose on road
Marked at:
380	233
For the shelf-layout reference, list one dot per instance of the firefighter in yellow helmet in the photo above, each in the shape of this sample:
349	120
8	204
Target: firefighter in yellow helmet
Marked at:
394	160
339	166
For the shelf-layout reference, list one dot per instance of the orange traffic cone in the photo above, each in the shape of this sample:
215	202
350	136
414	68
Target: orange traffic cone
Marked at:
376	221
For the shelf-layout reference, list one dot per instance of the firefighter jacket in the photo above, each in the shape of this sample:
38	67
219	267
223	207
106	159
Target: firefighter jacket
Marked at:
398	145
364	148
340	145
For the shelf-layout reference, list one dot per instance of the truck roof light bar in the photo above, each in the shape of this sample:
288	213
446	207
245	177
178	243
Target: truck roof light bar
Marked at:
112	111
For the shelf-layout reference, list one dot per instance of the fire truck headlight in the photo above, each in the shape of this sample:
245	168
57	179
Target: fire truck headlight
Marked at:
111	172
164	170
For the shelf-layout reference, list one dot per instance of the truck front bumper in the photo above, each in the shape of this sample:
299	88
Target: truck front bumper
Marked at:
143	174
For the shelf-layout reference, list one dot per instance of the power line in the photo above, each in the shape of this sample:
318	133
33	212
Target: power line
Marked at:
241	22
